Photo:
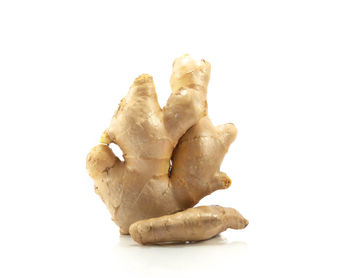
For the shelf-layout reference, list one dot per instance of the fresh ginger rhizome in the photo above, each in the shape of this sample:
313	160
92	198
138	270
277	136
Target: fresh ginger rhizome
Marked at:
146	197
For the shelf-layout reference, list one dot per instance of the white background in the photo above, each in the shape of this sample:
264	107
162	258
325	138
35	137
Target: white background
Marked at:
280	72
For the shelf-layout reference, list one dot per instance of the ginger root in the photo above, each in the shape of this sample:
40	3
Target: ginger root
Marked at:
193	224
172	156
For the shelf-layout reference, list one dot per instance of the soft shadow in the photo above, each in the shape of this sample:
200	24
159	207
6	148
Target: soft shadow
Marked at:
178	257
127	241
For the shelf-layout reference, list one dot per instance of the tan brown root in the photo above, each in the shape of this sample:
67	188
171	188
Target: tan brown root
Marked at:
145	185
193	224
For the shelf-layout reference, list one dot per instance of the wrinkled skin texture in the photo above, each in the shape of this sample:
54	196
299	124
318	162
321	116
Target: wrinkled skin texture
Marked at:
145	185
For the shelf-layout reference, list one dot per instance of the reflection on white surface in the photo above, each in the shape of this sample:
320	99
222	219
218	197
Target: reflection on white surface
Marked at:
178	258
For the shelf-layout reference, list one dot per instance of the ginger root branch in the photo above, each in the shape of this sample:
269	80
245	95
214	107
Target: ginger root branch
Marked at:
193	224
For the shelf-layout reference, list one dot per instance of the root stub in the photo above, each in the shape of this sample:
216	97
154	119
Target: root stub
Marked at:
193	224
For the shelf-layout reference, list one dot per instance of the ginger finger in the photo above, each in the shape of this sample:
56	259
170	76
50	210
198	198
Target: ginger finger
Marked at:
193	224
197	159
187	103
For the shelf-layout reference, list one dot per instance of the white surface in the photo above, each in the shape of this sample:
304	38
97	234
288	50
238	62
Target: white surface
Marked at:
280	72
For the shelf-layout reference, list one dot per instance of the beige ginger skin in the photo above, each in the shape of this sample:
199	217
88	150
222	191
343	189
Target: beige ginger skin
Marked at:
192	224
146	185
